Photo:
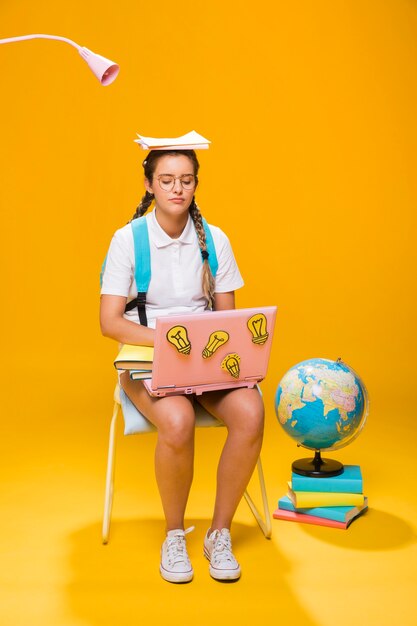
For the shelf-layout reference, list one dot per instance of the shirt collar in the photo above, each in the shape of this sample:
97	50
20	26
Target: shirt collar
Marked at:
162	240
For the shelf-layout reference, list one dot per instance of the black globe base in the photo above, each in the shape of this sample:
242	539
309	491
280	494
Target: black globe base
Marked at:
317	467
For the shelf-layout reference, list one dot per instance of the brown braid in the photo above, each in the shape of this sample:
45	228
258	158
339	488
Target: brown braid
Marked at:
144	205
207	277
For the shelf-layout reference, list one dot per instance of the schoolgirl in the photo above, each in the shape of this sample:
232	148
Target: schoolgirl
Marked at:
181	282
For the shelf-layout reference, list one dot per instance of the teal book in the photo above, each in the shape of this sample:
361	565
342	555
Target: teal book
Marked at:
337	513
350	481
140	374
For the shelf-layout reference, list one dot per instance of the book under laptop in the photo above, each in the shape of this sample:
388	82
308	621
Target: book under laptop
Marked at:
208	351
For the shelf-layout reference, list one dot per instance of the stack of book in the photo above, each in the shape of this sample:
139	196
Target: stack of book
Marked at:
137	359
326	501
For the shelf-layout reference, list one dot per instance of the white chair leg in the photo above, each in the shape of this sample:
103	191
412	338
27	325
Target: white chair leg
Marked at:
265	522
108	499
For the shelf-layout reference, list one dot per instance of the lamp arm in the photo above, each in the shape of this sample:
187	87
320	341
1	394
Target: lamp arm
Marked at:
23	37
104	69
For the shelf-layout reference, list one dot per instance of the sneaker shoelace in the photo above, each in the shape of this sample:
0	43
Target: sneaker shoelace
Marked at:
177	549
222	549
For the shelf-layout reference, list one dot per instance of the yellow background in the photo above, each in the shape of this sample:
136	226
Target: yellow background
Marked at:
311	108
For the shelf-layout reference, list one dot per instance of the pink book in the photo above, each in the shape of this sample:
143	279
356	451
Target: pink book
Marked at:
292	516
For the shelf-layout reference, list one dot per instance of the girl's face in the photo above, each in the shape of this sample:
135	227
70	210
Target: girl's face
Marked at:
173	185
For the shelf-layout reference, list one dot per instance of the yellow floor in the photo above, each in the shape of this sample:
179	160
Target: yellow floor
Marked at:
54	570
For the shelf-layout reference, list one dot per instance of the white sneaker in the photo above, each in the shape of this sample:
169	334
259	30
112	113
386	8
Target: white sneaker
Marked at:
175	565
218	550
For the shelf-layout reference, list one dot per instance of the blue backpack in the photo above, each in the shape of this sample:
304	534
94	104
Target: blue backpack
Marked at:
143	263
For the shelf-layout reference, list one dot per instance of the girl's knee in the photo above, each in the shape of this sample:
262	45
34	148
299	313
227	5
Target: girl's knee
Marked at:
177	429
255	424
249	423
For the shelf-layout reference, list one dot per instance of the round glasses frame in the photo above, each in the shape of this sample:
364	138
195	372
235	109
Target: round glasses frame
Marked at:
188	181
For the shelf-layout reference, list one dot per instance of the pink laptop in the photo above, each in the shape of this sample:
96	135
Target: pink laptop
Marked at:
213	350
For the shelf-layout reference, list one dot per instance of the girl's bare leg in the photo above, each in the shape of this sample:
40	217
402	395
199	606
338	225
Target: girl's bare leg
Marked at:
174	418
242	412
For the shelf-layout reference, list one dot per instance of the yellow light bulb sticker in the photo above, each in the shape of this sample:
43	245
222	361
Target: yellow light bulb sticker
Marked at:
177	336
231	364
217	338
257	326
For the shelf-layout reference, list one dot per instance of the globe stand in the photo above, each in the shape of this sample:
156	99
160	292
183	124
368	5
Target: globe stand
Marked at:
317	467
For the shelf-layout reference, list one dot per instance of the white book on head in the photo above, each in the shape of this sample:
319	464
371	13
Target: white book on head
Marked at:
190	141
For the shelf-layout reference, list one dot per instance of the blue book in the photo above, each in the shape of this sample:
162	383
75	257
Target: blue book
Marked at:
350	481
337	513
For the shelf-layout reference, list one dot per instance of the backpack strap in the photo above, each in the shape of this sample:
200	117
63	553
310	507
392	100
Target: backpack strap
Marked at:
142	267
103	267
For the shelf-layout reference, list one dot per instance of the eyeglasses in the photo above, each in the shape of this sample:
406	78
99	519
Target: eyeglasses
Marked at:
167	181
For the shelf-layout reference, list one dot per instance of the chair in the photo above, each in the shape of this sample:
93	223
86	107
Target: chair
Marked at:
136	423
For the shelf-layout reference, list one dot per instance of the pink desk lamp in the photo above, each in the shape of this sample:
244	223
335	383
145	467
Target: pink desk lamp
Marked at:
105	70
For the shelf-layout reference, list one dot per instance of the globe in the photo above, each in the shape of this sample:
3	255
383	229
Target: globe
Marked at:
322	405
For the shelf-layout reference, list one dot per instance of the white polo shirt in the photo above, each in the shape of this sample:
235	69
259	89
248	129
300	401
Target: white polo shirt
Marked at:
176	268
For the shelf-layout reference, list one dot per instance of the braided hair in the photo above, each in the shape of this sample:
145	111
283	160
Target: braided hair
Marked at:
149	166
144	205
207	276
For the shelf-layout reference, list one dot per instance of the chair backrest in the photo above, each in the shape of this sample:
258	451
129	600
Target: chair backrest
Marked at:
136	423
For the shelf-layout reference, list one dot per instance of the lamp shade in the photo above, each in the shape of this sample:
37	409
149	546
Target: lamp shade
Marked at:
104	69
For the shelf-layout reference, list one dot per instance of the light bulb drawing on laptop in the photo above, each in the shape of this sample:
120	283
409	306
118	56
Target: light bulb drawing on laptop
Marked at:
178	337
217	338
231	364
257	326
